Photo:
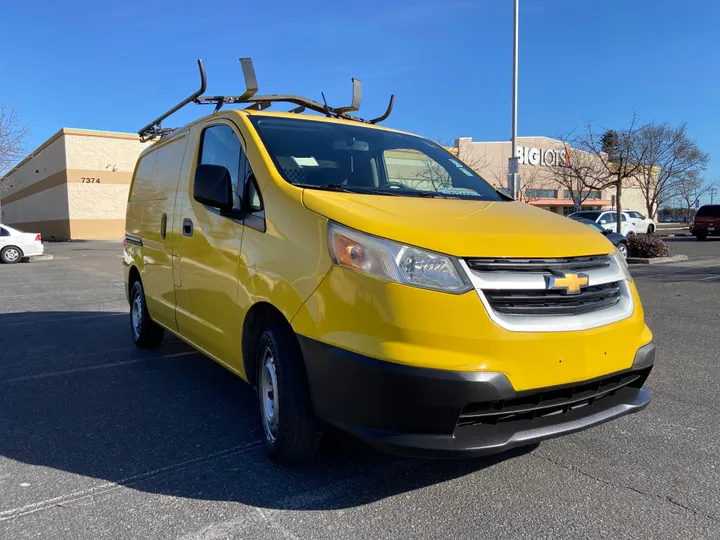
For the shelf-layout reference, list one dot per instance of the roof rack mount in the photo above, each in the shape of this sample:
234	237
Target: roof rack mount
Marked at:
261	102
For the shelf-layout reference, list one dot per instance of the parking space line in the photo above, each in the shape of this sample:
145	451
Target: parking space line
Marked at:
125	482
47	317
92	368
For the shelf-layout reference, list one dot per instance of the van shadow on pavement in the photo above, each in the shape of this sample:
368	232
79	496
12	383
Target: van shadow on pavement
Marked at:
77	396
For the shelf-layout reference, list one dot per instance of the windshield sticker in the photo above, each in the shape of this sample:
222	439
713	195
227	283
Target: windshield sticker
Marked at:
467	173
456	191
305	161
457	163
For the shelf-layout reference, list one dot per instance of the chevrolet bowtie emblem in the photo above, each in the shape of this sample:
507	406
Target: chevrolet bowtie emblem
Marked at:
571	283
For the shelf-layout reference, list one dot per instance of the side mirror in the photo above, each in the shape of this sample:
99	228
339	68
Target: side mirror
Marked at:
213	187
603	222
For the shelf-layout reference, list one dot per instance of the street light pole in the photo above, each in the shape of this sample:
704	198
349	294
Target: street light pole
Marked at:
513	162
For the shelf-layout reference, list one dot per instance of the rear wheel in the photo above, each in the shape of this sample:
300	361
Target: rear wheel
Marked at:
701	237
651	229
292	433
145	333
11	255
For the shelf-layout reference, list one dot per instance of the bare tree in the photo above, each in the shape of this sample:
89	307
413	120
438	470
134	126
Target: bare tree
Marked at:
421	172
689	189
581	174
617	157
533	181
12	137
668	156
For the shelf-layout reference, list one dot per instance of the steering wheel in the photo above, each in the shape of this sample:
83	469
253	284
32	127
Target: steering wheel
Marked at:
396	185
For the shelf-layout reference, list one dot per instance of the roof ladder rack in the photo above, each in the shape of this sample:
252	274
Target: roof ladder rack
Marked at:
261	102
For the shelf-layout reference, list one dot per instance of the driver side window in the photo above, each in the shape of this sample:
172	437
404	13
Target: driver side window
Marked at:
220	146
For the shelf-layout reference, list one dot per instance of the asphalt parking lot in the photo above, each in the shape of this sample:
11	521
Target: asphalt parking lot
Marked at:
100	440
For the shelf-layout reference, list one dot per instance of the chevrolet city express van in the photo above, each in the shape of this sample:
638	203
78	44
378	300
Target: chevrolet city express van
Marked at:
367	279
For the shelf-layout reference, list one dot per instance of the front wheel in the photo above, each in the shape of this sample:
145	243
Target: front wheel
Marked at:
145	332
623	249
11	255
701	237
291	432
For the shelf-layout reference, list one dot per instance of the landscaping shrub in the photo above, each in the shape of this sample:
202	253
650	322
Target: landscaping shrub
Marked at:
648	246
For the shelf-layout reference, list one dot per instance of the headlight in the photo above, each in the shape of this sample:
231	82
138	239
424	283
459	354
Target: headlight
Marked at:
622	263
396	262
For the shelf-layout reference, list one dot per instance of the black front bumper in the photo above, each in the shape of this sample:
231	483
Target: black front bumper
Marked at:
427	412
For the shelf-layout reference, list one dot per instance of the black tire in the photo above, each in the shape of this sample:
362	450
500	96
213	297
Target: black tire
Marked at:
624	249
145	333
290	430
11	255
701	237
650	229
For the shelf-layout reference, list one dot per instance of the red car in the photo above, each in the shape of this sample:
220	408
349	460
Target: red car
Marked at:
706	222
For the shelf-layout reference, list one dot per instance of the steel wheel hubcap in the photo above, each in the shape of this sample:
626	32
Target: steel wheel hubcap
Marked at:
12	254
136	315
269	395
623	250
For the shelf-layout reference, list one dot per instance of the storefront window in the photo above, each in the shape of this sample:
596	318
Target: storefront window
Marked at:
540	194
592	195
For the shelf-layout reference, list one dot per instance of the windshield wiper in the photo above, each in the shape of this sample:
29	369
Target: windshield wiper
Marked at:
347	189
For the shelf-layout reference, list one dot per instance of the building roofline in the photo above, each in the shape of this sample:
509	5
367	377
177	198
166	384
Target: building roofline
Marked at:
70	131
472	141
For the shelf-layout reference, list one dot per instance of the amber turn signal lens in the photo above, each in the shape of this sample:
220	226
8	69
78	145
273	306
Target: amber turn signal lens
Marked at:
349	252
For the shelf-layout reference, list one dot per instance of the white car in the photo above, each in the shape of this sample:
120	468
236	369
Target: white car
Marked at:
607	219
642	223
17	245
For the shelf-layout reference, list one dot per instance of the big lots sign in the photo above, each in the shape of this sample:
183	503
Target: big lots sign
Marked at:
540	156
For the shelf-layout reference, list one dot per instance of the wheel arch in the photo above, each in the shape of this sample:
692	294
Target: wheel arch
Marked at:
133	276
259	317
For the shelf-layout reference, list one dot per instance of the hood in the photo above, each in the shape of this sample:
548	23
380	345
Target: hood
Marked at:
459	227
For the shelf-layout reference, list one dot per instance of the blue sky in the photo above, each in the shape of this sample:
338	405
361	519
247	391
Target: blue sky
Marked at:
115	66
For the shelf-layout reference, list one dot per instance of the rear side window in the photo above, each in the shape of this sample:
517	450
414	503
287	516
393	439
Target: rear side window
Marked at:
710	210
4	232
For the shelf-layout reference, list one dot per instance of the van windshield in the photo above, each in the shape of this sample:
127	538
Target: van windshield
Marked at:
357	159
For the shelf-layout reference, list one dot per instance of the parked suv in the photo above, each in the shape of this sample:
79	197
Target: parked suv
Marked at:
365	278
607	219
643	225
706	222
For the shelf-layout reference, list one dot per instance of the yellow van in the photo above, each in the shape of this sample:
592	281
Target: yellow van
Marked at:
365	278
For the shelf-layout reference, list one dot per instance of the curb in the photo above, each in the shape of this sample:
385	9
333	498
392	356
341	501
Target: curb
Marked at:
657	260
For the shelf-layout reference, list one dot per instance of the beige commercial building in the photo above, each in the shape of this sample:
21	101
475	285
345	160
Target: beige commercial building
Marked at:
74	186
538	158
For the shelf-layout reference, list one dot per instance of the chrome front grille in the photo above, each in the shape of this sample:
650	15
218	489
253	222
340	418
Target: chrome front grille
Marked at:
568	264
528	294
539	302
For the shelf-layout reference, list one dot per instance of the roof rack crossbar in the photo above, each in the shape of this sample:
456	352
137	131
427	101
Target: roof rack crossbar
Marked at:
149	131
386	113
356	97
261	102
251	85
